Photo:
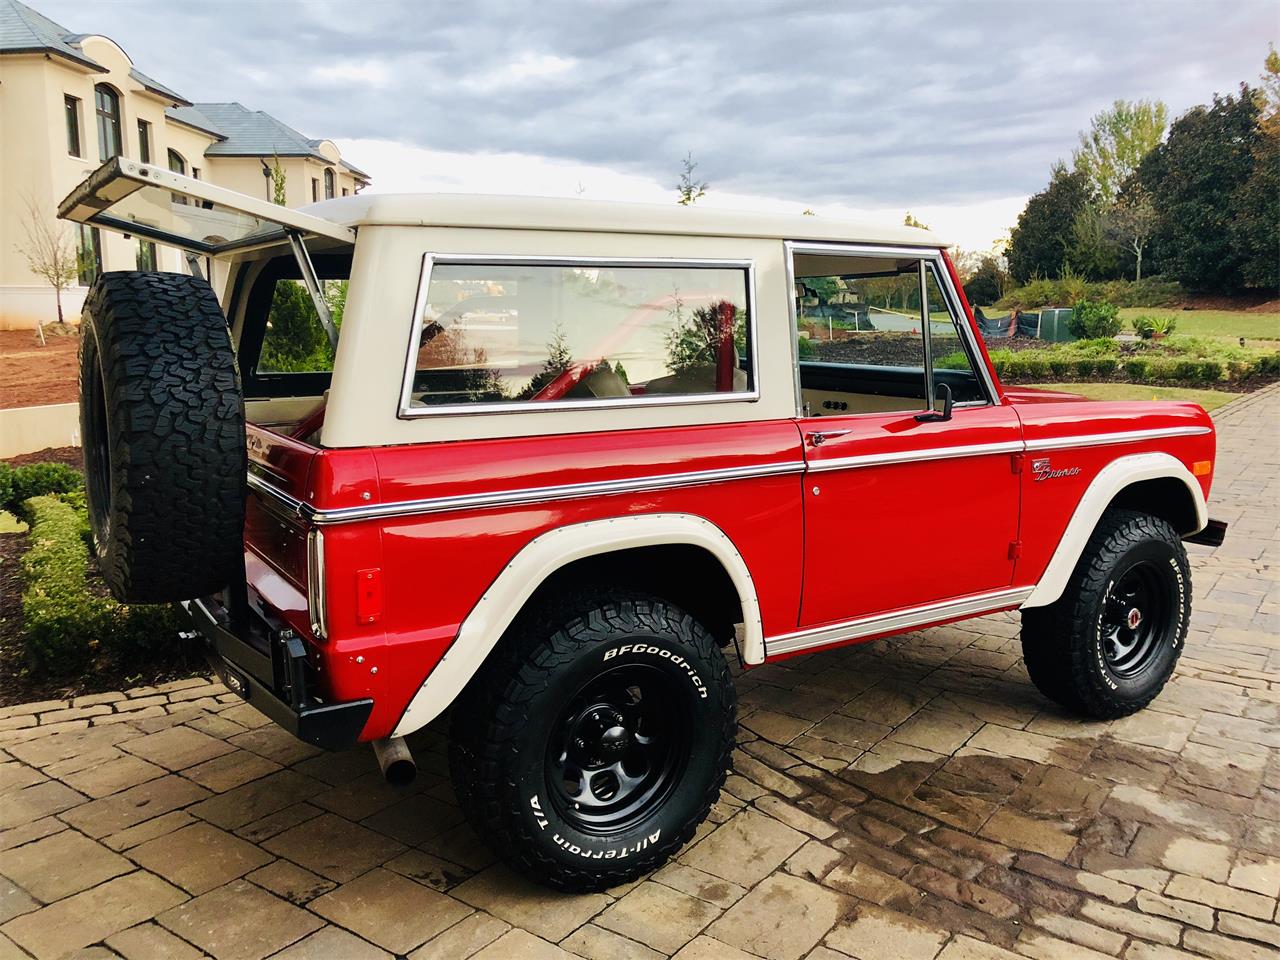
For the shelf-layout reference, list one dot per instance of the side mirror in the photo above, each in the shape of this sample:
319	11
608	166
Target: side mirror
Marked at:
942	390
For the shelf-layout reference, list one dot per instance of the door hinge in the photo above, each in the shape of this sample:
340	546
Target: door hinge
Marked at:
1015	462
1015	549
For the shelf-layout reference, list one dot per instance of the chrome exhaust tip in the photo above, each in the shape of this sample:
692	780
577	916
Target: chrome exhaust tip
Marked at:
396	761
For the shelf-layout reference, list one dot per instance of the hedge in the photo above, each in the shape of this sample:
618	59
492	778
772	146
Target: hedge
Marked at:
19	484
67	624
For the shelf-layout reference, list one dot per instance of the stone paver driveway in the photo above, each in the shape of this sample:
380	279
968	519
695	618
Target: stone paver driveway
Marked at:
910	798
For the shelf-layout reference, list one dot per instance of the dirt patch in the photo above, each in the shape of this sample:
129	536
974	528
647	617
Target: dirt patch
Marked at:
71	456
32	375
1258	301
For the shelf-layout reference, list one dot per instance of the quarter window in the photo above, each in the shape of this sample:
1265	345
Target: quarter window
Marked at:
72	108
107	103
146	258
581	333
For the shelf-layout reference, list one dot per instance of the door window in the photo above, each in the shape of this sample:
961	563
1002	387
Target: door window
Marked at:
861	336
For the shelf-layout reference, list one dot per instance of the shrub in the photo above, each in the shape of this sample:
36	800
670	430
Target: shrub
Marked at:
1105	366
805	349
67	624
1149	327
18	484
1060	365
1138	368
1084	366
63	618
956	360
1092	319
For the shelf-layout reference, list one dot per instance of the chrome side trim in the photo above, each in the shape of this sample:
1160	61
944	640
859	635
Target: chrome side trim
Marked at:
1119	436
291	506
528	495
915	456
408	411
277	499
895	622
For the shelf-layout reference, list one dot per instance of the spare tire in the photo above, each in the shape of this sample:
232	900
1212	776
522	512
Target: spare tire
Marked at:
163	433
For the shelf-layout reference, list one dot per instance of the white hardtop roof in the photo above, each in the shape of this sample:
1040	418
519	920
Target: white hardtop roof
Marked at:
595	216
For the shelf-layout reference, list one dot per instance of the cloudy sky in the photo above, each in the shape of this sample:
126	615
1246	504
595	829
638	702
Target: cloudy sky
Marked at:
952	110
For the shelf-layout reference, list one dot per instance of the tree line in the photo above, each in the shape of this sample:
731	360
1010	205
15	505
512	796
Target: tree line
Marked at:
1200	205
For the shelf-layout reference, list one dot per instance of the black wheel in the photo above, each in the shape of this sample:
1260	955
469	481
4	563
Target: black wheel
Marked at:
163	435
1107	647
595	739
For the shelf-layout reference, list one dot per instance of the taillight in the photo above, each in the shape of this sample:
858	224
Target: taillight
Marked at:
317	608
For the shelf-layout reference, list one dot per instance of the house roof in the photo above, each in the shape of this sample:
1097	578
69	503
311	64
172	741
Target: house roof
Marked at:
23	30
250	133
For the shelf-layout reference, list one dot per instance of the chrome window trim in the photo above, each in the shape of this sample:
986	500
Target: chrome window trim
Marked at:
1113	437
896	621
932	258
409	412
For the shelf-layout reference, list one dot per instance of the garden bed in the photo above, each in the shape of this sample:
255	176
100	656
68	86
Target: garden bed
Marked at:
32	375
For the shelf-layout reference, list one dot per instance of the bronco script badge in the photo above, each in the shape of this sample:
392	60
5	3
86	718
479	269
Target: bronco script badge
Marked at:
1043	470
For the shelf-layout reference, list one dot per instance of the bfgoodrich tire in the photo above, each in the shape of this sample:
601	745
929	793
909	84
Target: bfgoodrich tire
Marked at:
595	740
1107	647
163	434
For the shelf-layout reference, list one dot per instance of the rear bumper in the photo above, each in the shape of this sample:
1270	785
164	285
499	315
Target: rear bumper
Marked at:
276	684
1214	533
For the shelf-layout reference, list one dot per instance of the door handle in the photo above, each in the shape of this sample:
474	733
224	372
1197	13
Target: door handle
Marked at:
819	437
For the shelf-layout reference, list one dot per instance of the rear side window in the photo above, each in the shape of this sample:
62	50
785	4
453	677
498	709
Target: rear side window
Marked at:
576	334
284	350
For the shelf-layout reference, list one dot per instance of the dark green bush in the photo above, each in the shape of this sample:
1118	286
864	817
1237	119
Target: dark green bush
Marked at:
1084	366
1060	365
63	619
1092	319
805	349
18	484
1137	368
67	624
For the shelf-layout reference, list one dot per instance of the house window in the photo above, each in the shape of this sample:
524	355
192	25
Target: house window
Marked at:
195	173
107	102
315	190
344	191
328	184
88	254
178	165
146	255
521	335
144	141
72	105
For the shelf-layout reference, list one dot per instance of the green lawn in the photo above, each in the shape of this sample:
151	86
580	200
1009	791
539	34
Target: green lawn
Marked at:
1209	399
1212	323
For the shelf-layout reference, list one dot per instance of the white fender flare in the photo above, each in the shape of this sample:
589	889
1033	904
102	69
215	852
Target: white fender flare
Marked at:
1110	480
544	555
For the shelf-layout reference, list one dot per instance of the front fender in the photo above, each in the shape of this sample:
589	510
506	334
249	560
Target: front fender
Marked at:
546	554
1110	481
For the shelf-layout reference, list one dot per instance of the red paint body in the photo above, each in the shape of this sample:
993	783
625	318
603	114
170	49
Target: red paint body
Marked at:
870	540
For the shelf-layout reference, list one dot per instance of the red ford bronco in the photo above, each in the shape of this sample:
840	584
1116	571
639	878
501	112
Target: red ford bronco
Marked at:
548	464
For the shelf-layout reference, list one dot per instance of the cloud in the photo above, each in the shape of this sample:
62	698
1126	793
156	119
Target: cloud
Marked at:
873	105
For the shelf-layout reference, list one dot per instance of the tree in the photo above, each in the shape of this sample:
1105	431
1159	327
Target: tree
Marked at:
50	252
690	189
1039	244
1116	142
987	283
1269	91
1093	251
278	179
910	221
1132	223
1201	181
